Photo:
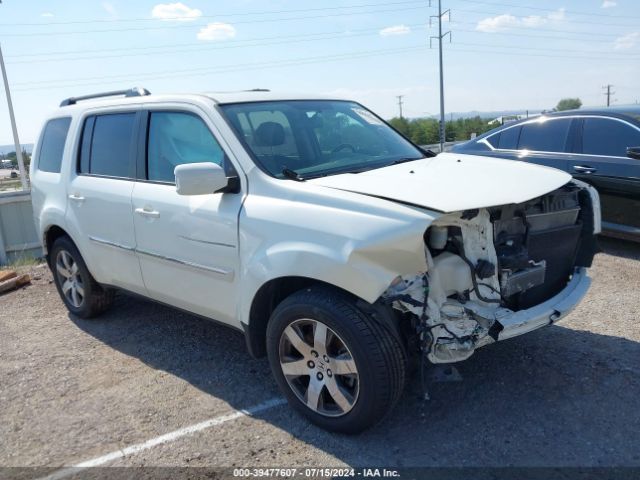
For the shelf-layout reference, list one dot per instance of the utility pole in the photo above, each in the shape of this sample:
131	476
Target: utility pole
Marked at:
608	93
16	141
440	37
399	97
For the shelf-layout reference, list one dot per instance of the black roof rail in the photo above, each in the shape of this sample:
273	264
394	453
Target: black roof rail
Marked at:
131	92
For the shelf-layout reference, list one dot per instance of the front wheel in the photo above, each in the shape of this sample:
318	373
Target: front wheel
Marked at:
336	365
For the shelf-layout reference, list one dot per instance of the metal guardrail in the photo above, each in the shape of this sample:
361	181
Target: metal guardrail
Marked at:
18	236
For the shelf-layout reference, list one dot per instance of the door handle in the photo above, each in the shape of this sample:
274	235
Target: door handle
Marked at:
584	169
147	213
76	198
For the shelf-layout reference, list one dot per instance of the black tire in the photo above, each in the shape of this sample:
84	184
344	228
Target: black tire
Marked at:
378	355
96	298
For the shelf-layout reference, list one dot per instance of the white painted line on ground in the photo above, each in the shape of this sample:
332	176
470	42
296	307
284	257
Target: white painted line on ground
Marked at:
166	438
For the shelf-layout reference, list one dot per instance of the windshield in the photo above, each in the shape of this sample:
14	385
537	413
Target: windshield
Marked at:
316	138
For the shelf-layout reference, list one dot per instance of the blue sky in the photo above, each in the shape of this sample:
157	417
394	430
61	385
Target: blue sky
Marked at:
502	56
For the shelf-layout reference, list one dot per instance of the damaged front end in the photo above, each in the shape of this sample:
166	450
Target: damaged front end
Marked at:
497	272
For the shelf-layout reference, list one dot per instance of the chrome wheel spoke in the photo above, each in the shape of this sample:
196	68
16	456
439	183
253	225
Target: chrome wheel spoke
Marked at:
343	366
296	340
74	269
338	396
76	298
66	286
62	270
313	393
296	368
320	337
80	289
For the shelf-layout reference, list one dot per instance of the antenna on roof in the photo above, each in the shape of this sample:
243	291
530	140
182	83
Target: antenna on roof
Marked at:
258	90
132	92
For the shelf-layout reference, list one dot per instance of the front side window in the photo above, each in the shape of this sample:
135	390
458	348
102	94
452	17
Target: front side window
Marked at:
54	136
316	138
106	145
178	138
545	136
602	136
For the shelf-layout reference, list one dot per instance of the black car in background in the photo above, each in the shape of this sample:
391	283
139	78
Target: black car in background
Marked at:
601	147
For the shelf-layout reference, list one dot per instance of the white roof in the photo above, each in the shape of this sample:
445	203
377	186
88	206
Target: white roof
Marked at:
262	96
220	98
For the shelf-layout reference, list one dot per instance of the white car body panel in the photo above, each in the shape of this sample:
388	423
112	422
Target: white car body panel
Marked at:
452	182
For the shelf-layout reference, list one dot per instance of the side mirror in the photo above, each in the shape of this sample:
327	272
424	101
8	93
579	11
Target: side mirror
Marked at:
199	178
633	152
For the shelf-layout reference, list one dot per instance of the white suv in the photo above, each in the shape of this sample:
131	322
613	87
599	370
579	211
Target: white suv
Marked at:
338	247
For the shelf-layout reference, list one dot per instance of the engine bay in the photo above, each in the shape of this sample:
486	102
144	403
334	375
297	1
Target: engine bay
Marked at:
487	264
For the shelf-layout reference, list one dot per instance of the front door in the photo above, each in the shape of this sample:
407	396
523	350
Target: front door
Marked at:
187	245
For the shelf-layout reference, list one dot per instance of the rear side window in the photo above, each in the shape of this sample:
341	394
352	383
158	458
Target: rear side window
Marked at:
54	136
547	136
106	145
602	136
509	138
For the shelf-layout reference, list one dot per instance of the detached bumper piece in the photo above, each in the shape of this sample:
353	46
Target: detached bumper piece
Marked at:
549	312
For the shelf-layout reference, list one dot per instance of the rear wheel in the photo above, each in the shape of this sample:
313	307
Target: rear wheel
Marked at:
81	294
336	365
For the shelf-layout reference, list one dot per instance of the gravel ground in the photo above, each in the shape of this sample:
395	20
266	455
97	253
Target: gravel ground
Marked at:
71	390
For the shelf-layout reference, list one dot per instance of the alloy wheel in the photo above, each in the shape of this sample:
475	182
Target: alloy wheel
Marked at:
319	367
69	278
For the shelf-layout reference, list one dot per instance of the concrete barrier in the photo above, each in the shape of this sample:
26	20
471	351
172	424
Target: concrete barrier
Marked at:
18	237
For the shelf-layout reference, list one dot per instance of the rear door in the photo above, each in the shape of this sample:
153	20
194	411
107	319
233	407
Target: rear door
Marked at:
603	162
187	245
99	198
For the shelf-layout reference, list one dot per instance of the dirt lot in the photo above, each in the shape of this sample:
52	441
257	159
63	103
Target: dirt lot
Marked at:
72	390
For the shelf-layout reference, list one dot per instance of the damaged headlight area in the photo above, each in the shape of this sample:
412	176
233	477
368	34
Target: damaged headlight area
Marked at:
485	265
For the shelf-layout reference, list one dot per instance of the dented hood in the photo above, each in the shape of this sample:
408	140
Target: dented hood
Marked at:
452	182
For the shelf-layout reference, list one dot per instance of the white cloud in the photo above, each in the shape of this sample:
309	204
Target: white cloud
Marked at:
395	30
217	31
47	14
627	41
609	3
500	22
178	12
506	20
110	9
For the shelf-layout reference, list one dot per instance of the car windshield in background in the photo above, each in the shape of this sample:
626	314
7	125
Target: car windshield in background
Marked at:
317	138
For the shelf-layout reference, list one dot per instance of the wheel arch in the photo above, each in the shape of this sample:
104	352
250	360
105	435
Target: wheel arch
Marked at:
273	292
266	299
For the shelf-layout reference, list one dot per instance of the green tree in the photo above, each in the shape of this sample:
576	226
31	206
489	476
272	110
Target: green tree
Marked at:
568	104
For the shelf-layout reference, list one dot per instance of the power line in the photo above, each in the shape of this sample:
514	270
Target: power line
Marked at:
267	64
222	15
192	25
573	12
227	68
256	42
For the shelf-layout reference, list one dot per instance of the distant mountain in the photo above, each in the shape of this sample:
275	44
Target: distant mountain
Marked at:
4	149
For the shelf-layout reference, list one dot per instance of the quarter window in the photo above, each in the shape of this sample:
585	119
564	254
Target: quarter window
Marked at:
52	144
106	145
548	136
178	138
602	136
